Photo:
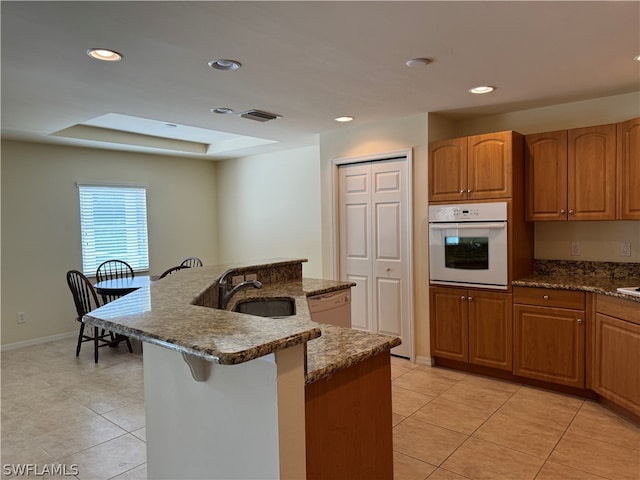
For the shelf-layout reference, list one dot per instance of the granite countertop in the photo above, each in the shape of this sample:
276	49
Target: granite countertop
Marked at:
175	313
598	277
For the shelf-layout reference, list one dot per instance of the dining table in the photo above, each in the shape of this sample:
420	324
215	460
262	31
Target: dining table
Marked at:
118	287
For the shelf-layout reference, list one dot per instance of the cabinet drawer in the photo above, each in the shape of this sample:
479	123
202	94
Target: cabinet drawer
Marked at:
617	307
549	297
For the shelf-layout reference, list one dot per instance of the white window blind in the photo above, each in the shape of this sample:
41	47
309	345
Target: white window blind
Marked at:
113	222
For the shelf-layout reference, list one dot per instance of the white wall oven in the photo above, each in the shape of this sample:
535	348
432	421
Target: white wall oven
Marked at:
468	245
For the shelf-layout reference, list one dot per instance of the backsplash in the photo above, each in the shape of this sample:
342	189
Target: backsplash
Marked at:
597	241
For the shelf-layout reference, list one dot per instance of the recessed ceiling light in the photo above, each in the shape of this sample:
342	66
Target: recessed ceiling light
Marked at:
417	62
104	54
637	58
225	64
482	89
222	110
345	118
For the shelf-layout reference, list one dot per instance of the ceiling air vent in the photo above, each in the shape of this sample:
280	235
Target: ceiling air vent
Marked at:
259	115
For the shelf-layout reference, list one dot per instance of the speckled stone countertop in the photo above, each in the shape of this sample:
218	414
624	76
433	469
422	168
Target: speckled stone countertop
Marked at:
177	312
597	277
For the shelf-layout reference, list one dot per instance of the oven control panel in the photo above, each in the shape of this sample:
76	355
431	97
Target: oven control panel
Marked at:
469	212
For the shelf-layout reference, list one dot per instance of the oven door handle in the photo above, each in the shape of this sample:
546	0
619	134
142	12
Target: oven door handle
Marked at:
468	226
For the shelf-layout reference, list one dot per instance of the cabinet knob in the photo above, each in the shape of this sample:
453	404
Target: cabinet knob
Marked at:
388	269
469	191
470	299
546	297
562	210
463	298
579	320
570	212
462	191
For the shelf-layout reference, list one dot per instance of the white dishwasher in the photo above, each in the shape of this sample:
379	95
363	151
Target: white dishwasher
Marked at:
333	308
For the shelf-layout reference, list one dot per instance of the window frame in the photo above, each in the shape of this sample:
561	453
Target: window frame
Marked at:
113	225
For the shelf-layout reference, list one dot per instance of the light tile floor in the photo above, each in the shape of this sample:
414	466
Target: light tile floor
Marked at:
61	410
450	425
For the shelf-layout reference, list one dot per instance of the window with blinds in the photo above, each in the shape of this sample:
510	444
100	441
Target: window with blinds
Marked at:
113	222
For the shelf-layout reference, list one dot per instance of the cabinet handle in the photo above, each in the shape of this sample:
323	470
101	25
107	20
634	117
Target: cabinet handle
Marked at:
463	298
579	320
470	299
546	297
570	212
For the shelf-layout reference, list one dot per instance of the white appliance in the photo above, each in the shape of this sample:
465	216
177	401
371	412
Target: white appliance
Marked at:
333	308
468	245
630	291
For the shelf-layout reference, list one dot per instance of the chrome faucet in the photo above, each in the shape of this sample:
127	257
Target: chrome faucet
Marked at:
224	296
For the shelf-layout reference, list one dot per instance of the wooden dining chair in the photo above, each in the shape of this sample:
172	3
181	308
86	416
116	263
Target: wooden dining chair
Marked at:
171	270
191	262
86	300
113	269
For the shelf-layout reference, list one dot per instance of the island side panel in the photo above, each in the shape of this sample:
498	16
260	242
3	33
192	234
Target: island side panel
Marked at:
348	423
224	427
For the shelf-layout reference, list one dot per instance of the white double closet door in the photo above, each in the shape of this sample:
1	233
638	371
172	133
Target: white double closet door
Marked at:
374	223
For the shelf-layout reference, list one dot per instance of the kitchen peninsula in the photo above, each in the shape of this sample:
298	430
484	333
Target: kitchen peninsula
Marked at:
232	395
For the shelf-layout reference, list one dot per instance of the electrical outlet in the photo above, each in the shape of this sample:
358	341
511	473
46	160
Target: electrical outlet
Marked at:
575	249
237	280
625	249
252	277
21	317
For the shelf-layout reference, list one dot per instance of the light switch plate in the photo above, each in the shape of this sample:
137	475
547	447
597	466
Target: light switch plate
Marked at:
625	249
575	249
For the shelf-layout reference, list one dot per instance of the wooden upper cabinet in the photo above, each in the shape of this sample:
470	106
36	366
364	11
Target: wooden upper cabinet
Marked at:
490	166
448	170
592	173
545	159
571	174
629	170
473	168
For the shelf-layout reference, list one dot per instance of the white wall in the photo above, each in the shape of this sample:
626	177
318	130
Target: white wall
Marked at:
41	224
374	139
269	206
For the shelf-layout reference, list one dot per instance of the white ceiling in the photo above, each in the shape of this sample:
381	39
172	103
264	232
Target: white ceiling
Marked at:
306	61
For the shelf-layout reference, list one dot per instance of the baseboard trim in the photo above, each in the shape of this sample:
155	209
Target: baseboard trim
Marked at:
36	341
428	361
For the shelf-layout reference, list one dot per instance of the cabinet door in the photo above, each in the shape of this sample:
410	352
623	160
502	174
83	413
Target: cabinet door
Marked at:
448	170
449	326
616	372
549	344
490	329
592	173
629	170
546	176
490	165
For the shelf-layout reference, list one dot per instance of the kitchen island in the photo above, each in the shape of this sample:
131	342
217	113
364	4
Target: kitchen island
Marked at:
231	395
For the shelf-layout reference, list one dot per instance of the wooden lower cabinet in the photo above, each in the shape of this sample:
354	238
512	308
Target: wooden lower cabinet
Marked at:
549	335
471	326
449	313
349	424
549	344
616	356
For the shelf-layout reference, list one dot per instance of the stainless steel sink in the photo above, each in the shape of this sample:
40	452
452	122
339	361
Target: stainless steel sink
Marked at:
267	307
